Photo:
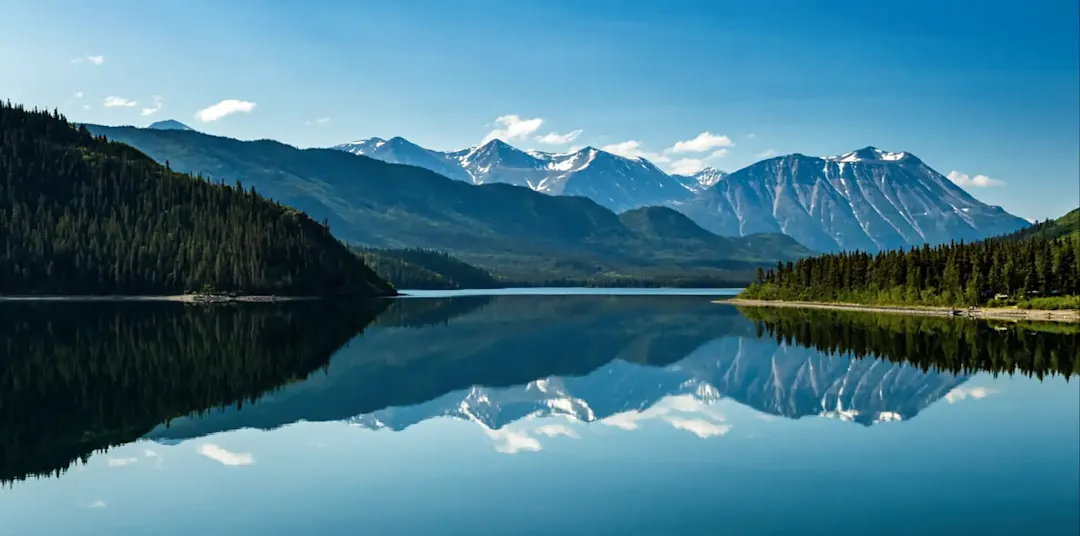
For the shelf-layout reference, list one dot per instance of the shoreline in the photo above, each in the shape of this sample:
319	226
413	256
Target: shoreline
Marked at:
986	313
180	298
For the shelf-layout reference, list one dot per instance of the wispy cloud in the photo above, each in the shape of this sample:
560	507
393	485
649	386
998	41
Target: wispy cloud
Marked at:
974	393
553	430
118	102
121	462
512	127
319	121
86	107
699	427
98	504
554	138
513	442
751	136
689	166
155	109
767	153
78	94
978	181
93	60
633	149
703	143
224	108
683	412
224	457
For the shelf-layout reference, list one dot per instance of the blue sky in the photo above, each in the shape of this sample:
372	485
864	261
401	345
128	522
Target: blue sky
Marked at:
980	88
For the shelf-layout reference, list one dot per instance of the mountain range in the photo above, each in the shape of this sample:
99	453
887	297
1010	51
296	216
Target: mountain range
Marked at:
516	233
869	199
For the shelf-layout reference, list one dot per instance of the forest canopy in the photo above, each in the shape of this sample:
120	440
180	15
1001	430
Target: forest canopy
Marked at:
83	215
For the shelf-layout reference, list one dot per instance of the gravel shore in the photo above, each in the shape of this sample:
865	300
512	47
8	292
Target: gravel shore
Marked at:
993	313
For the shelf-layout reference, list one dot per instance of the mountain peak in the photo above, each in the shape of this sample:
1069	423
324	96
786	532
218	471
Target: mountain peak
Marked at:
168	124
868	153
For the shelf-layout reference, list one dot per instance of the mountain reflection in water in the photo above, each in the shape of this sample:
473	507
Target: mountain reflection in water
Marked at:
78	379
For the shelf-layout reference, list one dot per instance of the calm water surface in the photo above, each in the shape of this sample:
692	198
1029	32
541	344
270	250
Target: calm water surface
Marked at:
540	414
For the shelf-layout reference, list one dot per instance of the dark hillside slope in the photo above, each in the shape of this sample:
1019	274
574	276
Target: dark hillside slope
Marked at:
510	230
81	215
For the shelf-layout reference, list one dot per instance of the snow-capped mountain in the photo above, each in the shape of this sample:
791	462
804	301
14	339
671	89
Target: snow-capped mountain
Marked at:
868	199
398	150
702	180
613	181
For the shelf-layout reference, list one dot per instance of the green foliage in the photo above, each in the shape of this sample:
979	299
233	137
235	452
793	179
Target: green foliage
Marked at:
947	275
1051	303
959	346
1068	224
83	215
515	233
423	269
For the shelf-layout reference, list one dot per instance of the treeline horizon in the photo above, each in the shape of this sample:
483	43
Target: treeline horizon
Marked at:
956	274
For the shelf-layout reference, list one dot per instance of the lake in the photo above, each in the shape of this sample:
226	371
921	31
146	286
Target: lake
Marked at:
554	413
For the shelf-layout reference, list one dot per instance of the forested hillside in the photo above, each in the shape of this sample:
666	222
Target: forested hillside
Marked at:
425	269
82	215
951	274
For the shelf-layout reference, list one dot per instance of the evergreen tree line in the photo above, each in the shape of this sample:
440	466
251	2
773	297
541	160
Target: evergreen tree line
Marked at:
949	274
425	269
958	346
82	215
76	379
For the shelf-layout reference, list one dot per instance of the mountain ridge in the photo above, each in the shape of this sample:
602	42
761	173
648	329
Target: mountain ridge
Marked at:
910	209
515	232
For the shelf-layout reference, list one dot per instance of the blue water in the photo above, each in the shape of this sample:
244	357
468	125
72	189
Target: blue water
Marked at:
573	291
681	420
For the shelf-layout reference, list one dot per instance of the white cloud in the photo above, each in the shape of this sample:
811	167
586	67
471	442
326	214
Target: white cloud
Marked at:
118	102
752	136
628	148
554	138
94	60
633	149
155	109
553	430
704	142
512	442
150	454
219	454
699	427
689	166
319	121
224	108
120	462
699	418
98	504
767	153
86	107
974	393
978	181
78	94
512	127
